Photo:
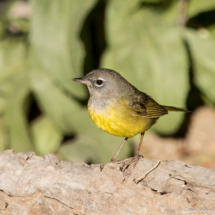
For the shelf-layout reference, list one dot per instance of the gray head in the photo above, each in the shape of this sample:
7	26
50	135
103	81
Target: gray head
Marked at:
105	83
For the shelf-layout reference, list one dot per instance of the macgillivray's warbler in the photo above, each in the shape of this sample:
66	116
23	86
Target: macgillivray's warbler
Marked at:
119	108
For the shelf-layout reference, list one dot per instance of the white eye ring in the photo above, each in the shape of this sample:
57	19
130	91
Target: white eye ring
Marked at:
99	82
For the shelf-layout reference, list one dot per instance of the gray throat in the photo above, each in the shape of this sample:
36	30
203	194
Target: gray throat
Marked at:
99	103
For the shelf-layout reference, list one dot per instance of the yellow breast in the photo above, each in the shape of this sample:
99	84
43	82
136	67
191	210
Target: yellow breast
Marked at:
117	120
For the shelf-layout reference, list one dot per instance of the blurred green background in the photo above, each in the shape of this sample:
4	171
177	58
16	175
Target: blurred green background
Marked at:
165	48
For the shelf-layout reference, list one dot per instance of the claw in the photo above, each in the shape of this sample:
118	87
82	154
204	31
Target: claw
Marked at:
133	160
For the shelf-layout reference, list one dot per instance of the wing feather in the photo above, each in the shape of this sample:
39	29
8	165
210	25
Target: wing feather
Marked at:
145	106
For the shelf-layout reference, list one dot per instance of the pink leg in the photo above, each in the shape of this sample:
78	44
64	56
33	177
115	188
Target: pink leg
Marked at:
141	140
114	157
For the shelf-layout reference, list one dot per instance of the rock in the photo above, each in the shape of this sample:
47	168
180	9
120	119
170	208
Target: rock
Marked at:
31	184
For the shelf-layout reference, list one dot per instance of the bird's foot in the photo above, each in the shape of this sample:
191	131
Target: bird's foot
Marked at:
133	160
113	160
125	163
136	159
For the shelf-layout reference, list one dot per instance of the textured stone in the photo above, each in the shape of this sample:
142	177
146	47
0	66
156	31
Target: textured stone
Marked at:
31	184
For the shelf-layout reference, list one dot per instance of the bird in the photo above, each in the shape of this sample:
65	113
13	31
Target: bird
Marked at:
119	108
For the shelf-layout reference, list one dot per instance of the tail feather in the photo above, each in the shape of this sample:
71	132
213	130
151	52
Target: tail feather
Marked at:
169	108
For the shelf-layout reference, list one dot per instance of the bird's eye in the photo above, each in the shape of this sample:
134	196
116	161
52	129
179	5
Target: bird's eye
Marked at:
99	83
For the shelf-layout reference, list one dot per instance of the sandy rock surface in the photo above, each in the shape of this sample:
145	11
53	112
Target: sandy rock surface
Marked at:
31	184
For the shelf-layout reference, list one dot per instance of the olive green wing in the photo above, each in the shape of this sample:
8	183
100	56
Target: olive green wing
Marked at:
143	105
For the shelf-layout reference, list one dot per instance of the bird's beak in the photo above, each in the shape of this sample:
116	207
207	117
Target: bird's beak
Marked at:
82	80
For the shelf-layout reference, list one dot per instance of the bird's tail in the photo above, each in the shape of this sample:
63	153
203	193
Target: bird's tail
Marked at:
169	108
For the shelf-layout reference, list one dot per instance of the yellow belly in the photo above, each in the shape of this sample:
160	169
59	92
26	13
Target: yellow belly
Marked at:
118	121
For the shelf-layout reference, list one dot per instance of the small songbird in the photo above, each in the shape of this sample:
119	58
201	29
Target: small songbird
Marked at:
119	108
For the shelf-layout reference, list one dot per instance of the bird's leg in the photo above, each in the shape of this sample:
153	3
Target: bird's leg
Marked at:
114	157
134	159
141	140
